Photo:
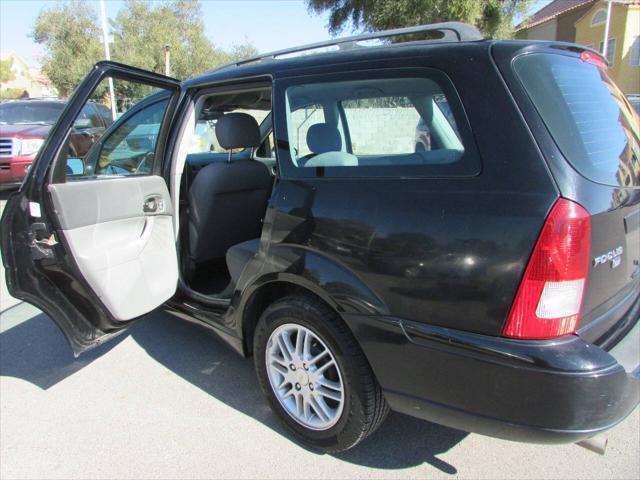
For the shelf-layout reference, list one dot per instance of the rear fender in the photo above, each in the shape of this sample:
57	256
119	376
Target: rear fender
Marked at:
327	278
295	267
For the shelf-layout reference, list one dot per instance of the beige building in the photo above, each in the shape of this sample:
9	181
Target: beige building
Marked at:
623	51
583	22
27	78
554	21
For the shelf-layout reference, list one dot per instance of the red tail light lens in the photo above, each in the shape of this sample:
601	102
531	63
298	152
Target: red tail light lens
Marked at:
592	58
549	300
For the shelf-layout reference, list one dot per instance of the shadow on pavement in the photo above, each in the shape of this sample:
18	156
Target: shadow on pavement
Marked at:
36	351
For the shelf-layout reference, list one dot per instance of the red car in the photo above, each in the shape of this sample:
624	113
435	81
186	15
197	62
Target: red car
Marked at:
25	124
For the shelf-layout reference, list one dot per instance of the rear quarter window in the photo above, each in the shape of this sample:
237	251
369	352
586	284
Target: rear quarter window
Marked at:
587	115
389	123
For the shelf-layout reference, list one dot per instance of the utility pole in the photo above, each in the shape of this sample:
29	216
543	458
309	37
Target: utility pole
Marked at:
107	55
167	65
605	41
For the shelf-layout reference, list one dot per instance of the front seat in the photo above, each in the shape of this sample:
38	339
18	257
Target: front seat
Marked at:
228	199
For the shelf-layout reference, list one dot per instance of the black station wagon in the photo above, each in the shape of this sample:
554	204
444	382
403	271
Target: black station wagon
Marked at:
488	280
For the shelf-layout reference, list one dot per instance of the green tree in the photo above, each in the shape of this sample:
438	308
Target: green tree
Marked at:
141	29
11	93
71	37
141	32
6	74
494	18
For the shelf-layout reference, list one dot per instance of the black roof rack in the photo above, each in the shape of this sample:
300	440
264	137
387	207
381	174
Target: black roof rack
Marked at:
52	97
451	32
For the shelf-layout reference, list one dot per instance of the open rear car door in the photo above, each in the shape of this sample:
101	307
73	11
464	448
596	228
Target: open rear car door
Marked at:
90	241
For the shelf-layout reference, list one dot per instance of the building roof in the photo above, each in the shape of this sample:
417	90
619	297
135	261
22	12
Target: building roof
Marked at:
559	7
602	5
551	11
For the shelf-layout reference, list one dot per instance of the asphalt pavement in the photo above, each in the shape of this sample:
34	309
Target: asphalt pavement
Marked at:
167	400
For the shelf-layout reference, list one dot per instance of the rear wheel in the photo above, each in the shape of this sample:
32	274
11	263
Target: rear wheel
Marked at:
315	375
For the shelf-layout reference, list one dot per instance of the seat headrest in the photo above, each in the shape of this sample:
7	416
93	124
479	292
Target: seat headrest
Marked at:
324	137
237	130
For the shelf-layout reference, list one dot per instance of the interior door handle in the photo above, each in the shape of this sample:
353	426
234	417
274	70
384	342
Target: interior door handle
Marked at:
153	205
41	241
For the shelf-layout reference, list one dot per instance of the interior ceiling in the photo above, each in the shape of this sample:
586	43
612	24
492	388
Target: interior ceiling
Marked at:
227	102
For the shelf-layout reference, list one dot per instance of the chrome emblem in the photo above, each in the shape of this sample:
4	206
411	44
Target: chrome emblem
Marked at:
614	256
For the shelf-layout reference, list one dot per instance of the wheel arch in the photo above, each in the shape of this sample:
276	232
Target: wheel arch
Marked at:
371	407
307	272
270	291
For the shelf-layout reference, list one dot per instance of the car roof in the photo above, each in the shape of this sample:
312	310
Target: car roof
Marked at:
36	100
27	101
304	63
276	66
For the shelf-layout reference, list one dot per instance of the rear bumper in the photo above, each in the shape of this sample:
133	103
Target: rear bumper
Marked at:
558	391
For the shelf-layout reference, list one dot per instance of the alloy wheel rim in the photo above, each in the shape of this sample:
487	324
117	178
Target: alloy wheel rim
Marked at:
305	376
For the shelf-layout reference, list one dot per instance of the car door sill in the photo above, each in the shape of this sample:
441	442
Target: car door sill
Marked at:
201	297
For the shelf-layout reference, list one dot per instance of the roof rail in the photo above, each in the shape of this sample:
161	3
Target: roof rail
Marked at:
44	97
451	32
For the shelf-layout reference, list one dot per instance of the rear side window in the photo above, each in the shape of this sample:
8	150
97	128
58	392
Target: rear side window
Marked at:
302	119
393	126
587	115
353	125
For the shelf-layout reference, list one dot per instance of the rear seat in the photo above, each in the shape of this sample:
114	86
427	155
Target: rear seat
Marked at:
239	255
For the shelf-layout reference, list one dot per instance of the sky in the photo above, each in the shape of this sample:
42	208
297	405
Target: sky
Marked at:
267	24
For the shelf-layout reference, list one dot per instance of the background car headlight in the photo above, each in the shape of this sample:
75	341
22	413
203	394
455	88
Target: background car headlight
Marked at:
30	145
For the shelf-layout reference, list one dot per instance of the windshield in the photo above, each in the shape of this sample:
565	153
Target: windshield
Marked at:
587	115
33	113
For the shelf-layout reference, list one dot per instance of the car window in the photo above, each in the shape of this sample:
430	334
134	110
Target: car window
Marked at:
105	114
127	147
587	115
90	114
266	151
130	147
301	119
370	120
374	126
30	112
204	136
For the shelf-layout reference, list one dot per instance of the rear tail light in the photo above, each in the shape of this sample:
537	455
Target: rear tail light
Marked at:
592	58
549	299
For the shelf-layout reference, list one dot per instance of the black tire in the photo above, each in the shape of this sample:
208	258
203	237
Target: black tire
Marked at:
365	407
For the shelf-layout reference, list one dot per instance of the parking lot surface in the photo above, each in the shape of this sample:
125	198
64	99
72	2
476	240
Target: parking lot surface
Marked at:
167	400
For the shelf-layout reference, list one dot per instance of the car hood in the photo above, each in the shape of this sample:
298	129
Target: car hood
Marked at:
26	130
